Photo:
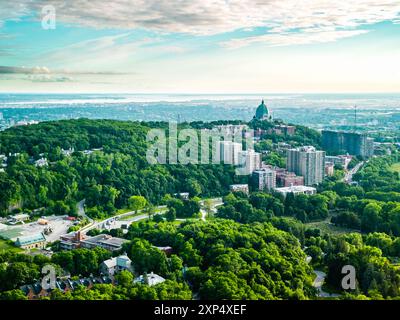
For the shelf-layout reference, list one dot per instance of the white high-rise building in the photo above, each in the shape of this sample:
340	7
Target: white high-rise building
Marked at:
229	152
264	179
250	161
307	162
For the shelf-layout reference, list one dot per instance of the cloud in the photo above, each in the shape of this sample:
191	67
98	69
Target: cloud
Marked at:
286	39
45	71
49	78
316	20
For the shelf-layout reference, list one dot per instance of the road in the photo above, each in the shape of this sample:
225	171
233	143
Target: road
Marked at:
115	222
81	210
115	219
215	202
348	178
318	282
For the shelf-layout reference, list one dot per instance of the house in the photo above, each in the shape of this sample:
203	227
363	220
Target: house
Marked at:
42	162
36	291
239	187
115	265
182	195
167	250
36	241
149	279
68	152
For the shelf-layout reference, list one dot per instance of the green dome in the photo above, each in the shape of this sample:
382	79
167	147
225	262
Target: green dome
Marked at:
262	112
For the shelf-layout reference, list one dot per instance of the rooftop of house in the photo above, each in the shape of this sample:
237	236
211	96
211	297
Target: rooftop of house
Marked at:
151	279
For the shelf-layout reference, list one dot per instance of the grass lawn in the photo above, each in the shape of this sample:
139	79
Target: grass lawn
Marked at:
327	228
124	210
395	167
8	247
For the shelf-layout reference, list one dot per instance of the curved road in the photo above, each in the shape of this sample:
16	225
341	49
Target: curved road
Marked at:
160	210
318	282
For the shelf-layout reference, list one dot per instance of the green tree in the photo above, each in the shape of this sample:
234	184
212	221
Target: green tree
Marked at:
137	203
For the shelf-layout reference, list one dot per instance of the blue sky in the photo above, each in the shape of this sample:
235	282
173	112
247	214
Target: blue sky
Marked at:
208	46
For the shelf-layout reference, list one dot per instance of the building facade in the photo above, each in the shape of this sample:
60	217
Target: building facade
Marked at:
36	241
287	179
264	179
239	188
307	162
250	160
296	190
339	142
229	152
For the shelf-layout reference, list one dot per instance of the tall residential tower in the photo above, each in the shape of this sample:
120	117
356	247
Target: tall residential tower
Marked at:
307	162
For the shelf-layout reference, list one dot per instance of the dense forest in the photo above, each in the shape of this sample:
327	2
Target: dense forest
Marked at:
220	259
106	178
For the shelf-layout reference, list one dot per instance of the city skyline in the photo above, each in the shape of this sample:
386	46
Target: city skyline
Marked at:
201	47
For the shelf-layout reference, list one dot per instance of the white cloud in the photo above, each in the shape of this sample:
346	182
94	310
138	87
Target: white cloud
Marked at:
316	20
286	39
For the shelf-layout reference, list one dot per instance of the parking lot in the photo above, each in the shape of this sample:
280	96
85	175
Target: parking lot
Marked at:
57	223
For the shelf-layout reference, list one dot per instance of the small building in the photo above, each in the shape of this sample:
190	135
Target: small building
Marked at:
329	169
239	188
68	152
42	162
167	250
287	179
19	218
286	130
104	241
43	222
116	264
342	160
71	241
182	195
296	190
150	279
36	241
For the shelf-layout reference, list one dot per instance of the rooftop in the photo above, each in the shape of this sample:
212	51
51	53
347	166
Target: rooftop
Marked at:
295	189
26	240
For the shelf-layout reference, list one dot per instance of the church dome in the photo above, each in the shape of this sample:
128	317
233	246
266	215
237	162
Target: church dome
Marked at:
262	112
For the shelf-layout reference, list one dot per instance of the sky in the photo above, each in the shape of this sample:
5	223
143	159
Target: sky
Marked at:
199	46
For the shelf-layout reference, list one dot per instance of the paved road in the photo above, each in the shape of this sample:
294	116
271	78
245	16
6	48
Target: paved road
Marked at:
318	282
348	178
215	203
115	222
